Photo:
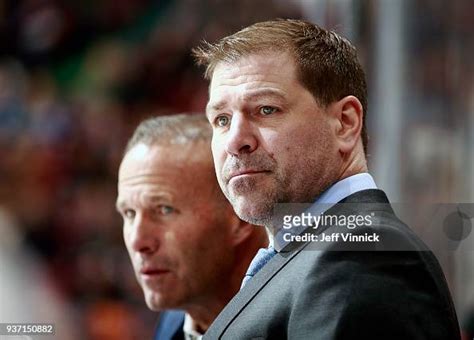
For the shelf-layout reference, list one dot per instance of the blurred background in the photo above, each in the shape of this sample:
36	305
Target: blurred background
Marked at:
76	77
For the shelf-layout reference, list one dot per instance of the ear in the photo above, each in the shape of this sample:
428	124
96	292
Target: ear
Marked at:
348	113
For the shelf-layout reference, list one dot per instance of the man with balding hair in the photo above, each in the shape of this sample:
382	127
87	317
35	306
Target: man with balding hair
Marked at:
188	248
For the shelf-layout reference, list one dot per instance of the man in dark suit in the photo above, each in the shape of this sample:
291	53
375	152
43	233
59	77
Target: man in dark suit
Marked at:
188	248
287	105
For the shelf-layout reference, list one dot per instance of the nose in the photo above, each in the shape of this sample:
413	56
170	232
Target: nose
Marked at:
240	137
143	235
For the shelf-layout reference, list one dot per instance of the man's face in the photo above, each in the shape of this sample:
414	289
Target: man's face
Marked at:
177	225
272	142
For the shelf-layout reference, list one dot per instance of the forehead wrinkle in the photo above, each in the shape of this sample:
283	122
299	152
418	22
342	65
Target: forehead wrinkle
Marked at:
248	96
245	78
152	170
145	197
148	184
142	198
264	92
137	178
214	106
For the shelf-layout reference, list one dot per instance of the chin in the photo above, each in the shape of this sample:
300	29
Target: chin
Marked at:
153	307
155	301
254	213
152	303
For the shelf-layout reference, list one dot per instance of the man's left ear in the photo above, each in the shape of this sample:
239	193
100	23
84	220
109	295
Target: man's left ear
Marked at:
348	113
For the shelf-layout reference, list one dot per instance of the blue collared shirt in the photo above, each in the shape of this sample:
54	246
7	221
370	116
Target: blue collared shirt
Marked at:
335	193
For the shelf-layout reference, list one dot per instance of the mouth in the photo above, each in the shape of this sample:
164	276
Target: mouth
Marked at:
246	173
153	272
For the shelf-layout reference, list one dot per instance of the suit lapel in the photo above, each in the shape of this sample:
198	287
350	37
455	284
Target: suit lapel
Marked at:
245	296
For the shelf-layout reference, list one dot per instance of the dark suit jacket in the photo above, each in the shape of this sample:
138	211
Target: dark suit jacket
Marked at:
170	326
372	292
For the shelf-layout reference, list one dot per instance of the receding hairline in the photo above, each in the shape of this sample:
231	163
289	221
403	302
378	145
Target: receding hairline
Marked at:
177	129
160	160
277	35
190	131
225	58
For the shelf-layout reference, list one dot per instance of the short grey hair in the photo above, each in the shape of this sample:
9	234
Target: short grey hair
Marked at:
175	129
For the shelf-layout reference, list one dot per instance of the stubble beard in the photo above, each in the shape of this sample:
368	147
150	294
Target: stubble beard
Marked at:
256	204
253	205
255	201
253	198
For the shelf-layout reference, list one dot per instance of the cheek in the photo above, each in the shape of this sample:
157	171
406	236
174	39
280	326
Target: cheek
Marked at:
179	241
274	142
127	240
291	148
217	148
169	238
208	235
204	231
219	157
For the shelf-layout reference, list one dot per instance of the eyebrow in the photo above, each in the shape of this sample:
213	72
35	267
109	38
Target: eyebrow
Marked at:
253	95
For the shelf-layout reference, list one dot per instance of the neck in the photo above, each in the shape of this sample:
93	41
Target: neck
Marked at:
203	314
203	317
204	310
353	163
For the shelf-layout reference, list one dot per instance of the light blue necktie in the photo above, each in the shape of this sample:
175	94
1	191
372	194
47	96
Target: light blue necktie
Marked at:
263	256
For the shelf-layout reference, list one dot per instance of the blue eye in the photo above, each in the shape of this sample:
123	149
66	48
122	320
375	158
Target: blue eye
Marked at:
267	110
166	209
222	121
